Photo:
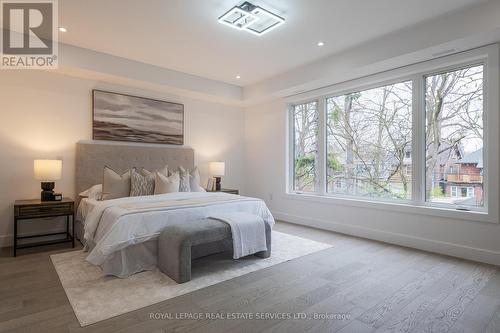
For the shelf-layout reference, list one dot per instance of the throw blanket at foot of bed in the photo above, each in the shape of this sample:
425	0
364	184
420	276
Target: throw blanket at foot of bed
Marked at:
177	241
248	232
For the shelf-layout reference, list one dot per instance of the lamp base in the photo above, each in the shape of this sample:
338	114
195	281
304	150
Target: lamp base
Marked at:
217	183
47	193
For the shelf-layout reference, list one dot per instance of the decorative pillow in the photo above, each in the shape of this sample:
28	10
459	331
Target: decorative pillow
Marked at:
163	171
114	185
194	181
164	184
141	185
184	185
95	192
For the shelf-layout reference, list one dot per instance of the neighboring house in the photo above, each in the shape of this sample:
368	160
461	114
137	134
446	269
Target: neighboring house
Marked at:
448	156
464	178
458	176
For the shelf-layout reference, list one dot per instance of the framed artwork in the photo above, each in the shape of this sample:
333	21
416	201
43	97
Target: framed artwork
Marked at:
211	184
120	117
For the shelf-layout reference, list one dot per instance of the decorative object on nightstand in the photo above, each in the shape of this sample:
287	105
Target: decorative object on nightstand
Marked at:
36	209
217	170
211	184
48	171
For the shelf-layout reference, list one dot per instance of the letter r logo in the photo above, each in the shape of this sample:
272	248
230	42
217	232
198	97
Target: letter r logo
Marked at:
27	27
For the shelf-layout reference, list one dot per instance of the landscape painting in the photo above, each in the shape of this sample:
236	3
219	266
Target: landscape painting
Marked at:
120	117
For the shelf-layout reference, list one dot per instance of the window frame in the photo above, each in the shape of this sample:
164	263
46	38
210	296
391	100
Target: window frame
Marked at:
481	62
373	86
488	57
292	110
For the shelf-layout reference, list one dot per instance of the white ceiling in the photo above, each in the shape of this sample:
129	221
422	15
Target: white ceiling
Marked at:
184	35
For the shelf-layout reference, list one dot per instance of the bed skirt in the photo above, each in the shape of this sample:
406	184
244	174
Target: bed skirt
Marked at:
144	256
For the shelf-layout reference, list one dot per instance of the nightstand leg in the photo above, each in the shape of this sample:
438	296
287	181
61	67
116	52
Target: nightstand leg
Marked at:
15	237
73	230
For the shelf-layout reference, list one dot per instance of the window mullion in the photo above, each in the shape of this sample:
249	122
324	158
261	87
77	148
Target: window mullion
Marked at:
321	165
418	140
291	149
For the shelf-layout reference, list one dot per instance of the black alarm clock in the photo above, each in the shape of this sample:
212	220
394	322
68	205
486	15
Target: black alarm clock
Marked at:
57	197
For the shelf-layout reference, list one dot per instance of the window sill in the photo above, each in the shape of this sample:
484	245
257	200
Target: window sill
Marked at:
472	216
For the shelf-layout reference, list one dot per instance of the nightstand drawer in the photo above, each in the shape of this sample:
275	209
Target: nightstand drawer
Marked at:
42	210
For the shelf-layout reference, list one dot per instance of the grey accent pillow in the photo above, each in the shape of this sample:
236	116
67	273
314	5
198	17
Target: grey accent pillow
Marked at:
164	184
184	184
141	184
114	185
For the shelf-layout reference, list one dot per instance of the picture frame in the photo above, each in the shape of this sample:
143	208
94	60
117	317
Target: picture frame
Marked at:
210	184
122	117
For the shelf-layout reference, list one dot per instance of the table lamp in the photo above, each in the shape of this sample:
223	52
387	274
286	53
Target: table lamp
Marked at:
217	170
47	171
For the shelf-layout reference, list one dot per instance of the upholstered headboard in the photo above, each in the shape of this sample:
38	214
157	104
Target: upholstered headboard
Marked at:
92	156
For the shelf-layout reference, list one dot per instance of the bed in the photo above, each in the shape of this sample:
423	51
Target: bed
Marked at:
121	235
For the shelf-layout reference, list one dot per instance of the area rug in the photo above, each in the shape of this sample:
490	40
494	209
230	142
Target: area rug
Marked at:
96	297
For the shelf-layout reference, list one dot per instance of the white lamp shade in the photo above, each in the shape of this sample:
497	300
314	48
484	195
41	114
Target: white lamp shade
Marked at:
217	169
47	170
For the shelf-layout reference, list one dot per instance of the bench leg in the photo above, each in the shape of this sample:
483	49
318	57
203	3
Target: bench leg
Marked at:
175	262
184	267
263	254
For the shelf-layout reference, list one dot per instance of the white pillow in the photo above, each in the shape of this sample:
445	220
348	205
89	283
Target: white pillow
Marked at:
194	181
165	184
95	192
190	180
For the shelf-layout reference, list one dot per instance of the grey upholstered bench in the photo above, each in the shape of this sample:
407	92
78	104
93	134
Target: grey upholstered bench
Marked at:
180	243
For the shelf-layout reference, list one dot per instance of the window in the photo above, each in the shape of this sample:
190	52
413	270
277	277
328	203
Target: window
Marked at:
408	170
416	135
305	120
368	134
454	127
454	191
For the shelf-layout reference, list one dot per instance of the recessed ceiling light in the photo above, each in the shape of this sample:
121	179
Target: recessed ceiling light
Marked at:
238	77
251	18
62	29
321	43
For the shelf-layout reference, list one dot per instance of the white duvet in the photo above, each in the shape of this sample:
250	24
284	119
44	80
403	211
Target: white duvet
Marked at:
113	225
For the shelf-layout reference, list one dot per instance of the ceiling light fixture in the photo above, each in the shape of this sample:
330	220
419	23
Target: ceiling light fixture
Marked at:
321	44
238	77
251	18
62	29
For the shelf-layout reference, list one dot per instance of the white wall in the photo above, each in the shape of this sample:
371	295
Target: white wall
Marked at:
265	146
43	114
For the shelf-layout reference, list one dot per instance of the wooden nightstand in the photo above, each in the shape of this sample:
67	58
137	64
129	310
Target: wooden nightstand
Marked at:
35	209
228	190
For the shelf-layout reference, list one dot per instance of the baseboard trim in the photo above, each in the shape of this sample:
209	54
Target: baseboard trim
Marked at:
451	249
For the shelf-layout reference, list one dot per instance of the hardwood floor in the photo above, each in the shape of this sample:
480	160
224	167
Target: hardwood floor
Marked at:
357	286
